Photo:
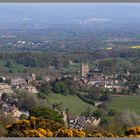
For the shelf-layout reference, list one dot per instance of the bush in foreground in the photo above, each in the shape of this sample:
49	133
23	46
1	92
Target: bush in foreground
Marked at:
38	127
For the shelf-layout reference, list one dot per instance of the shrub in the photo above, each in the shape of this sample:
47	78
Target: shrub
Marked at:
87	100
133	132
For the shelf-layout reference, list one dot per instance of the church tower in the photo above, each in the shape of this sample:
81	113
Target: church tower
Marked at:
84	69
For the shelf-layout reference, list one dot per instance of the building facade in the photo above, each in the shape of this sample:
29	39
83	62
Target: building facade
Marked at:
84	69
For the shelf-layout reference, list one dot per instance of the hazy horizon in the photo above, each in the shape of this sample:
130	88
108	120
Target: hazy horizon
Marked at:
12	14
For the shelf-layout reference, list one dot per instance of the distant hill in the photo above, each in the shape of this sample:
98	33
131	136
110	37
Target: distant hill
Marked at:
63	27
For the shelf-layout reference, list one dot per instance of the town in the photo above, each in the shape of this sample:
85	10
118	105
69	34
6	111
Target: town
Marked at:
69	70
113	83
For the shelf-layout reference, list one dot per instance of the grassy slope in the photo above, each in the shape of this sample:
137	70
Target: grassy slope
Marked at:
74	103
122	103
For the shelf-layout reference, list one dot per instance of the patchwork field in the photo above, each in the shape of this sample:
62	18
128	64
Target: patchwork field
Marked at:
76	105
130	103
135	47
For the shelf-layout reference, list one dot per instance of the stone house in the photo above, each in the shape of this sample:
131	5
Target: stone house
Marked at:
5	88
31	89
18	81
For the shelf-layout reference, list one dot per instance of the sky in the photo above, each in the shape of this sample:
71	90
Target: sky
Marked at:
68	13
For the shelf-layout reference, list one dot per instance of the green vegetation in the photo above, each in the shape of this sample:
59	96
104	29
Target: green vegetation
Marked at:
126	102
46	113
58	62
85	99
60	87
44	89
40	127
75	104
24	99
15	68
5	119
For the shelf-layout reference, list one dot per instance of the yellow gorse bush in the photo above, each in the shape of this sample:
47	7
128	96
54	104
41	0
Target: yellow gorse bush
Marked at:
77	133
39	127
69	133
46	133
133	132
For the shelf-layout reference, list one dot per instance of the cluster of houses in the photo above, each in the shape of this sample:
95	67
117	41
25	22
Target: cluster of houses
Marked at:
26	82
11	109
78	122
112	83
5	88
16	82
81	122
27	44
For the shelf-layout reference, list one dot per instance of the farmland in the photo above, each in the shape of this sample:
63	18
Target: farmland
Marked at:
75	104
123	103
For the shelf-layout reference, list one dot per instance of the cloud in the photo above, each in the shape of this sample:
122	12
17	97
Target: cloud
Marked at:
25	19
94	20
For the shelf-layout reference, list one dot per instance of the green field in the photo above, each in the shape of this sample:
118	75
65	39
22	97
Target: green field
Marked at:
73	68
19	67
73	102
15	67
130	103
